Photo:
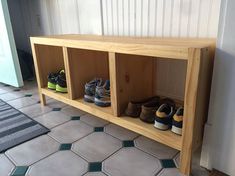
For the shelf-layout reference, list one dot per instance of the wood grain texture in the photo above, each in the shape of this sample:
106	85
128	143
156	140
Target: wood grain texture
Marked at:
37	68
190	119
67	73
203	96
49	60
113	84
135	79
84	66
155	47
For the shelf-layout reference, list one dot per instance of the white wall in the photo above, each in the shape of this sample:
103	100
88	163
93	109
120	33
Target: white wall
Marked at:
220	144
164	18
50	17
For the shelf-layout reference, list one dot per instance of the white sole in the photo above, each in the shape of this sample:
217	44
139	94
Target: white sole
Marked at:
101	101
176	130
160	126
89	98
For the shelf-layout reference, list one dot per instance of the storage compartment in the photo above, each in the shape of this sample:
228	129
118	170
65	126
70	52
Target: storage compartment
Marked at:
49	59
84	66
141	77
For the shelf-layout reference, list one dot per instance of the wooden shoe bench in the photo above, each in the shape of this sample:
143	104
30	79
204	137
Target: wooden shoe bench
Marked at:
130	64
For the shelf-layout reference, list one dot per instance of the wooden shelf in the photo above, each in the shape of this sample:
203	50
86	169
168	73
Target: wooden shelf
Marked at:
134	124
130	64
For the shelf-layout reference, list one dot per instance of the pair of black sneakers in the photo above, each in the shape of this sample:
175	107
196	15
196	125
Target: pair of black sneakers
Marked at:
57	81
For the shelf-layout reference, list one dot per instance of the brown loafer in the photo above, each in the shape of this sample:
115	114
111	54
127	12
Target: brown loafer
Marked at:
148	111
134	107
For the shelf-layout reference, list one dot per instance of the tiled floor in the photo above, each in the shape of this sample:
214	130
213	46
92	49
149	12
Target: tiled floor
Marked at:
81	144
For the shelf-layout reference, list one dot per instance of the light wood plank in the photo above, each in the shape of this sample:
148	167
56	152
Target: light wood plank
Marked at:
67	73
191	93
113	84
156	47
38	75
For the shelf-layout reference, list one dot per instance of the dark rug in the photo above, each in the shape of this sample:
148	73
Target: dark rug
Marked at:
16	127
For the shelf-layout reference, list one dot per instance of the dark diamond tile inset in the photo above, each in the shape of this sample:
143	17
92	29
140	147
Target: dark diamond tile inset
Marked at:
20	171
65	147
28	95
128	144
99	129
168	163
95	167
56	109
75	118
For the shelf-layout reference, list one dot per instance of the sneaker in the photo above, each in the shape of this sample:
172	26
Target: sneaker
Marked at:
102	94
61	85
134	107
52	78
164	114
90	90
149	109
177	121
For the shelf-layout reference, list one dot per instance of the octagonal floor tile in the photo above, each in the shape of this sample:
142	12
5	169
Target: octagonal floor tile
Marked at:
11	96
96	146
120	133
32	151
52	119
154	148
6	166
35	110
93	120
22	102
170	172
70	131
71	111
131	161
59	164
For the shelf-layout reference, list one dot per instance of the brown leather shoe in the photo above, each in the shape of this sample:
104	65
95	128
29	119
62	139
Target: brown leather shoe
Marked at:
148	111
134	107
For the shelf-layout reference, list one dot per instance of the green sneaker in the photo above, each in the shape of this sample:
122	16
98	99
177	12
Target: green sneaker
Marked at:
61	85
52	80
